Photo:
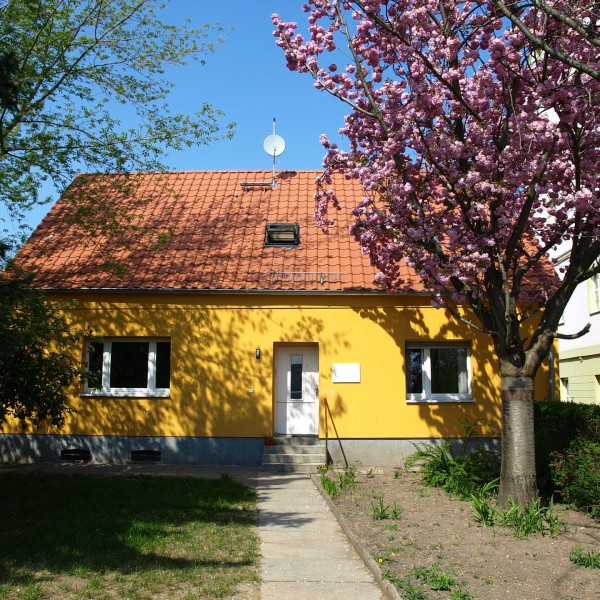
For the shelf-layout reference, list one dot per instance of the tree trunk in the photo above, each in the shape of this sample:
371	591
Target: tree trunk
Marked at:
517	474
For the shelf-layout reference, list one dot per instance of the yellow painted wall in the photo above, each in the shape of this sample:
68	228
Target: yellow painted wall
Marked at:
213	364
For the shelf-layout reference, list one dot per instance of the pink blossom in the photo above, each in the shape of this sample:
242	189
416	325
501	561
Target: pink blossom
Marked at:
468	180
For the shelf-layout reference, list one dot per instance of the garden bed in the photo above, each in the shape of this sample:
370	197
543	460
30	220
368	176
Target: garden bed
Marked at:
435	543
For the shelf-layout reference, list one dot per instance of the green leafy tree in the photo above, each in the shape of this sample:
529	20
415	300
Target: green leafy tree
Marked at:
84	89
35	363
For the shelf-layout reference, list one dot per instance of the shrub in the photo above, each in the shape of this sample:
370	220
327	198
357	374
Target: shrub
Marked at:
576	474
557	426
459	475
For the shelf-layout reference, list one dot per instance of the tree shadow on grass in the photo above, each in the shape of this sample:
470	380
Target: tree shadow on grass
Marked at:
68	523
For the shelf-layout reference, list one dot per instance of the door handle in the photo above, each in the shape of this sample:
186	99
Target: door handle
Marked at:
317	390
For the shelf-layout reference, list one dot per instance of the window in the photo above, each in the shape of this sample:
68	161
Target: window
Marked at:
438	373
282	234
564	389
594	293
296	377
129	367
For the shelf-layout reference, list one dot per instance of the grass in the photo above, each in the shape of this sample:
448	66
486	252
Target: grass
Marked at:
330	486
343	484
409	590
523	521
382	511
83	536
591	559
435	578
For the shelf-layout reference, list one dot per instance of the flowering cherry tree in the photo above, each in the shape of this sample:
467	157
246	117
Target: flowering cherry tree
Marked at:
478	152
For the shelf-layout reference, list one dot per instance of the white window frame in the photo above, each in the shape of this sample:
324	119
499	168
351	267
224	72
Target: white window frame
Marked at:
426	396
564	389
105	390
594	293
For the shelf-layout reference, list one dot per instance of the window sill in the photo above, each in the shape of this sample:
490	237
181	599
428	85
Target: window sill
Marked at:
440	400
137	395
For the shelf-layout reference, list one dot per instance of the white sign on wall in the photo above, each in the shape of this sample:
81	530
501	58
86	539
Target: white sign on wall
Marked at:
345	373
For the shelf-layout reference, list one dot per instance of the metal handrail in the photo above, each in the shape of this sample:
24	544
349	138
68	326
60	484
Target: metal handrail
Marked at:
328	412
326	433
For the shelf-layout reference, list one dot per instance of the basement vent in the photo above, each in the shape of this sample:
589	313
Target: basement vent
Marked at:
282	234
146	456
75	455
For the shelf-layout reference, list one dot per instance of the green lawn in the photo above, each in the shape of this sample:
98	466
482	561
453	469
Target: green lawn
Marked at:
85	536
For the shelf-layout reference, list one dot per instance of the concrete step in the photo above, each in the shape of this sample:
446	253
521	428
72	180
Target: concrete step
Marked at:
291	467
294	454
294	458
299	440
289	449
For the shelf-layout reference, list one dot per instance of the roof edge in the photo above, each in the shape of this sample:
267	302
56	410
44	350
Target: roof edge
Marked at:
253	292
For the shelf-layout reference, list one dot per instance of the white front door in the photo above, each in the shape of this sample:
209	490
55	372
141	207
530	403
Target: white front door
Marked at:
297	390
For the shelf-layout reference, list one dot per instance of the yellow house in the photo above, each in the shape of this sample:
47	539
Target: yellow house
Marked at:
246	322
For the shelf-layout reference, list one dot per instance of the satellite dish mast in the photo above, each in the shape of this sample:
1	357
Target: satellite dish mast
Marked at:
274	146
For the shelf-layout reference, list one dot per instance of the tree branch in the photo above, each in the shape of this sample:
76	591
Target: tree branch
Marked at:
573	336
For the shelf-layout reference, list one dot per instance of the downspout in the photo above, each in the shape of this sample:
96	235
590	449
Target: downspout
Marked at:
551	374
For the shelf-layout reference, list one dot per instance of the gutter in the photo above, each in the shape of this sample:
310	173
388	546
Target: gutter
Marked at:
233	291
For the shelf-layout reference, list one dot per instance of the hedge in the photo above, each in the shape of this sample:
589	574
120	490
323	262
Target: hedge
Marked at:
568	452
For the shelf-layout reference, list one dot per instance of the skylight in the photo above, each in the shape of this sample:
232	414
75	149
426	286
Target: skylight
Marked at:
282	234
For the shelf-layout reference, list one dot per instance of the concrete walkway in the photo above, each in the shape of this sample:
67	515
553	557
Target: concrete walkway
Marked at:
304	552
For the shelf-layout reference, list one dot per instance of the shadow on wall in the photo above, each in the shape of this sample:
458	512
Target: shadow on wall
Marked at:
425	323
220	407
213	367
212	371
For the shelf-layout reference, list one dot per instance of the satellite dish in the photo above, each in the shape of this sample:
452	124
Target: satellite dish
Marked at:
274	145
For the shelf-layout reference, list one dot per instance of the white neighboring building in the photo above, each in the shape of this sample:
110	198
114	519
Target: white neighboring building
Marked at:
579	359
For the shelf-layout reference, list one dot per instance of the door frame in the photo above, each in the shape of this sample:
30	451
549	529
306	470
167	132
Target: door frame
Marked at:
299	345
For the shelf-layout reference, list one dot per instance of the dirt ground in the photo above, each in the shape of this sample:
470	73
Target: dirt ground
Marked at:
485	563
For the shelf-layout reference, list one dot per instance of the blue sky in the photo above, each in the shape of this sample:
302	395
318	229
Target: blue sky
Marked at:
247	78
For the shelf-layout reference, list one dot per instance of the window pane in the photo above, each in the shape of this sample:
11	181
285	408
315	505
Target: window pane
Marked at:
129	365
163	364
414	372
95	359
296	378
448	370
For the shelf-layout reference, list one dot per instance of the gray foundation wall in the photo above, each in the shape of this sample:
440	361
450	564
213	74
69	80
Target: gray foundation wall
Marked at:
391	452
24	448
117	449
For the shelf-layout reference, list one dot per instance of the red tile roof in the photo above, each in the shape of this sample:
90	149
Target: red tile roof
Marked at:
217	230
